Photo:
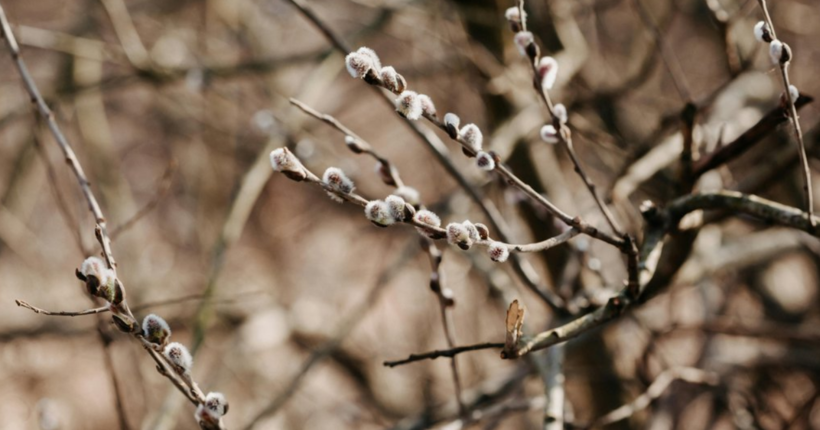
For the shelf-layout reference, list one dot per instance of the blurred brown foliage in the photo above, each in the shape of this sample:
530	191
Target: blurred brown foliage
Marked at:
144	84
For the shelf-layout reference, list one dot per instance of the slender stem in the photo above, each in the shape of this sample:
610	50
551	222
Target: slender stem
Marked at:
565	137
655	390
544	244
446	304
68	152
798	133
432	355
37	310
165	186
362	145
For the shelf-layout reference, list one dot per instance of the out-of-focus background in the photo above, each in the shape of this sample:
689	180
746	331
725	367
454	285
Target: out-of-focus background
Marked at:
173	107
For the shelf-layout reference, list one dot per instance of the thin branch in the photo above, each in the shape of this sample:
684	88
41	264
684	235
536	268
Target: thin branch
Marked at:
68	152
656	390
565	136
362	146
747	140
62	205
521	267
350	322
112	371
37	310
446	303
165	186
667	55
798	133
544	244
432	355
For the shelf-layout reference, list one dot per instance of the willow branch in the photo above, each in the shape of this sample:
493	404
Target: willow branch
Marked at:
436	147
37	310
432	355
655	391
565	137
798	133
68	152
446	303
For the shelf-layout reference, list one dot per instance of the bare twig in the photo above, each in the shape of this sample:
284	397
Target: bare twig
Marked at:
667	54
351	321
565	136
62	205
165	186
37	310
432	355
656	390
446	303
361	145
68	152
798	133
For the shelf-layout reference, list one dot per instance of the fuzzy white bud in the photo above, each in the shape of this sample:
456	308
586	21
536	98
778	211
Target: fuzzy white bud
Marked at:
155	329
513	15
452	120
101	281
426	217
95	266
523	40
471	228
471	135
427	106
549	134
498	252
451	123
395	205
794	93
282	160
547	72
776	49
483	231
354	144
358	65
378	213
762	33
409	105
409	194
560	112
392	80
485	161
335	179
371	54
216	405
458	235
179	356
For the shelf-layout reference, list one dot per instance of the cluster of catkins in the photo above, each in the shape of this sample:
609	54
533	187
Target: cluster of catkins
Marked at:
546	68
779	52
157	331
102	282
365	64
